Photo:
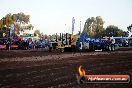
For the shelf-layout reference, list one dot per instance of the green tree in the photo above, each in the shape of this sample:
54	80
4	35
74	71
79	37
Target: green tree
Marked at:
37	32
94	27
129	28
20	21
112	30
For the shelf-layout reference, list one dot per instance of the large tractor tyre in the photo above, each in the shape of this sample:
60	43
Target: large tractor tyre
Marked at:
92	47
109	48
77	49
103	48
73	47
67	49
113	48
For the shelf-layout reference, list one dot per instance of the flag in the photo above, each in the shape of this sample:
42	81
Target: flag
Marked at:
11	29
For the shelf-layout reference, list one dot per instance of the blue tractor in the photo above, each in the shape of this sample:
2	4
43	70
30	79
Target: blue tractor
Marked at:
104	45
92	44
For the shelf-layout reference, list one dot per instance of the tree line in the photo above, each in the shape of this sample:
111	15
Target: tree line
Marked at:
20	21
94	27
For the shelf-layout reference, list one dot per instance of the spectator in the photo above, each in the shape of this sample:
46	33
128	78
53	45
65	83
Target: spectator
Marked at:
50	47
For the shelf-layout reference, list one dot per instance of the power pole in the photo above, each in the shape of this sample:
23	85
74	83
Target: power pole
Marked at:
80	27
73	22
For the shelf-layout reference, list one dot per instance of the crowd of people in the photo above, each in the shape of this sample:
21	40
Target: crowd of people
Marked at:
24	44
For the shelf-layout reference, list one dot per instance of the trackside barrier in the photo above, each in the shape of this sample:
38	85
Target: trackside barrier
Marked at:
2	46
14	46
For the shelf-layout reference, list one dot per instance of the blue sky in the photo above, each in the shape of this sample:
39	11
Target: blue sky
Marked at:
50	16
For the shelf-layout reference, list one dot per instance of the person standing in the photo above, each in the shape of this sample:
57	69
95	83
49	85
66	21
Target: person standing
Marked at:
50	47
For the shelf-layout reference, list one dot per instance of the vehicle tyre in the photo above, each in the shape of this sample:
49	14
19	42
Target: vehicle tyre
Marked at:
109	48
113	48
73	48
62	50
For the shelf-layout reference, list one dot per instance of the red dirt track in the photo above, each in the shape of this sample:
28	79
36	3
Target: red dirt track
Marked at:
54	70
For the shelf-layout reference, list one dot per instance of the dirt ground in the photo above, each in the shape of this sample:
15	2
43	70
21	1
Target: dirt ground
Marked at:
55	70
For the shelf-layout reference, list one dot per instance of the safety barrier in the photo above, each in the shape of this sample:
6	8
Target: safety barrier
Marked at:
2	46
14	46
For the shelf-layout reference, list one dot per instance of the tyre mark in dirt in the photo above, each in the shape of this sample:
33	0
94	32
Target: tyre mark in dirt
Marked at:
63	74
35	72
93	69
107	69
64	85
50	78
53	72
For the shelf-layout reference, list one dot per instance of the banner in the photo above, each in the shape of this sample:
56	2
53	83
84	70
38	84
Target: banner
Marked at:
11	29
